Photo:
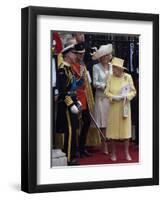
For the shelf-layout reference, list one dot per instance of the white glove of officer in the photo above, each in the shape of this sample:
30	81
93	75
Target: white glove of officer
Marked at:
79	106
117	98
79	103
74	109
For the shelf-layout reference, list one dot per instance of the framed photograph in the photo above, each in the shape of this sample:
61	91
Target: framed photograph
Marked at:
90	99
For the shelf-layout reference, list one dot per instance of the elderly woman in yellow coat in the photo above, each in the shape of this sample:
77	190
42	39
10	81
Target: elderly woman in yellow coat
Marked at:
120	90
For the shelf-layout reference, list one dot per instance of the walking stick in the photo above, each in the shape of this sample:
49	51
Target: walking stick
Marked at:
103	137
80	124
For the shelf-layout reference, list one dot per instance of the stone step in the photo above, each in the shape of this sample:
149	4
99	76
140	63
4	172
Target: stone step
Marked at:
58	158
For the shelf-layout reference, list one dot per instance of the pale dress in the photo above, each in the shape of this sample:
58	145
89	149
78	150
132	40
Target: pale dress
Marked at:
119	127
101	106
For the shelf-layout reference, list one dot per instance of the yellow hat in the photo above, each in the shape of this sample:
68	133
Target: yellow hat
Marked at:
118	62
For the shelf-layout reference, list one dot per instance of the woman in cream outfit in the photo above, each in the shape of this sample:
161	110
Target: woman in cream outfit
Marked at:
120	90
101	71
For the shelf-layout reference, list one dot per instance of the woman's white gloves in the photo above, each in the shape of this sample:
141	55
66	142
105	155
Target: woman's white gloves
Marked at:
101	86
118	98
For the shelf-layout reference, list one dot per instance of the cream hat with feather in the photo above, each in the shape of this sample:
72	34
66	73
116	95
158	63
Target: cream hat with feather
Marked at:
102	51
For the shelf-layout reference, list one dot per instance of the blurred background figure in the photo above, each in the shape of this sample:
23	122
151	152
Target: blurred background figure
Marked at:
89	50
79	37
55	51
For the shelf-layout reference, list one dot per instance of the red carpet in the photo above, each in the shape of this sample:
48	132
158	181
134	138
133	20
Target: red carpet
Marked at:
99	158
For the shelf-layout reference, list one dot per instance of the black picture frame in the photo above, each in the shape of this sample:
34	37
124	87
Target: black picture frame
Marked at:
29	98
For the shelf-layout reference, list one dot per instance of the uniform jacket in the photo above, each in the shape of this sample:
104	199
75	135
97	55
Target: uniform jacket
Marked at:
67	86
81	91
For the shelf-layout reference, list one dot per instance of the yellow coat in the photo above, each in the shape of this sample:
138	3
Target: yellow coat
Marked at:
119	127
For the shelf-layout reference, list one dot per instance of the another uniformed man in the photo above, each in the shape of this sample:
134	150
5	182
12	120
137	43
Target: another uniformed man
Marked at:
89	49
80	71
68	104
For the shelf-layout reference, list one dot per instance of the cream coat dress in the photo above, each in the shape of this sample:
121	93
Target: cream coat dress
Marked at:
119	127
101	107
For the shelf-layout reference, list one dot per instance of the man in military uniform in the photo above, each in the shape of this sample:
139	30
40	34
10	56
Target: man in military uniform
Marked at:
80	71
68	104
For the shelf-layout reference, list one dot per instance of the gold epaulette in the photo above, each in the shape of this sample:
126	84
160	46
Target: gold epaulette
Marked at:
66	67
61	66
60	59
